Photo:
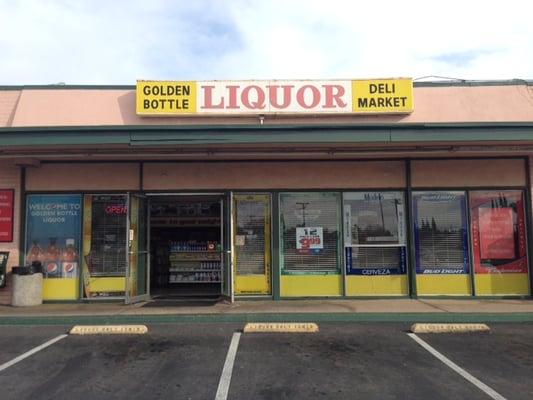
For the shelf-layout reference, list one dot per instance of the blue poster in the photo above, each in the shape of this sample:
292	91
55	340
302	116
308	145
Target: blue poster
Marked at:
53	233
396	266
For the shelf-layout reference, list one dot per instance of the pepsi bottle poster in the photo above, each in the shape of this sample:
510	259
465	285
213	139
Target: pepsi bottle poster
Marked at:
53	231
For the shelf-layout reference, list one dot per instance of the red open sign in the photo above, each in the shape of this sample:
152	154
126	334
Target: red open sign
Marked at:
116	209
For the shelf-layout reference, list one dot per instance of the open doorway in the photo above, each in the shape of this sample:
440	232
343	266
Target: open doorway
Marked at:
186	246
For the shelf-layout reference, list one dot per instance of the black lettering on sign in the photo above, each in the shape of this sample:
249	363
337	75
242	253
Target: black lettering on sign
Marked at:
382	102
166	104
382	88
362	102
161	90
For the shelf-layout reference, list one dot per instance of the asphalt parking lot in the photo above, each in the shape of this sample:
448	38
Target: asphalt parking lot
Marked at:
342	361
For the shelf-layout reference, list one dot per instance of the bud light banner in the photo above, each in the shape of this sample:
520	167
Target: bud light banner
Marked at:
441	236
53	231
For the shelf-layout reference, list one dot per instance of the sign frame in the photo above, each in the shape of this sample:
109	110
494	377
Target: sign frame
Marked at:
160	98
8	226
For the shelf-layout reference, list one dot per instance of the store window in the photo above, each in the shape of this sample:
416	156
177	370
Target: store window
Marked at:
53	229
374	233
104	245
441	236
499	239
310	232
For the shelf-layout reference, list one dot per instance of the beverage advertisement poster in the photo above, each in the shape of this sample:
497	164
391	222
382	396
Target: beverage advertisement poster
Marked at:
391	261
53	229
496	233
309	240
499	232
6	215
440	233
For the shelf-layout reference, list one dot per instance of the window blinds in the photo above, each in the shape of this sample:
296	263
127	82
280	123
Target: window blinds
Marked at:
250	229
310	210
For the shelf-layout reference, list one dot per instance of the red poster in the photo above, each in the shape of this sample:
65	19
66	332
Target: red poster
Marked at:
6	215
496	233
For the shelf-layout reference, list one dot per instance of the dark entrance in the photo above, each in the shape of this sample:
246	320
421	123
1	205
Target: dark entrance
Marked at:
186	246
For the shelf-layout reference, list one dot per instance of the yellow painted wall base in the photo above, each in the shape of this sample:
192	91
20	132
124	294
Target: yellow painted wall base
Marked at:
501	284
435	285
251	284
61	289
108	284
311	285
384	285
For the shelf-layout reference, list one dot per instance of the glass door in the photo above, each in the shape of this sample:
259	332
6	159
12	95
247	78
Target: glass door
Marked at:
137	249
251	238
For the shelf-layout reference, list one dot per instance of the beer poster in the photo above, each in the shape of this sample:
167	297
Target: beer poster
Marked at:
496	233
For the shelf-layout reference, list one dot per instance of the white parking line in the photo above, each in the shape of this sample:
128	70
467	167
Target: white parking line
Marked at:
31	352
473	380
225	378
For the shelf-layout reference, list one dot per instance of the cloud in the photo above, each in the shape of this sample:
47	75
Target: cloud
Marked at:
461	58
117	42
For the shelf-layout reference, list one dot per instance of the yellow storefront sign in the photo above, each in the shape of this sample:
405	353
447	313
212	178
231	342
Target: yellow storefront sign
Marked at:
382	95
166	97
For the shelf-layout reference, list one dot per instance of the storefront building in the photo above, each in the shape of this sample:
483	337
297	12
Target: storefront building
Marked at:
276	189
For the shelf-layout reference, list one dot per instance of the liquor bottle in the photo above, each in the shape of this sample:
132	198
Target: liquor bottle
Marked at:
36	253
51	260
69	260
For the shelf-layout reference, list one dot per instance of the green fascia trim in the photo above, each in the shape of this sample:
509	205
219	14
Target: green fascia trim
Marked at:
266	128
232	135
62	138
272	317
462	134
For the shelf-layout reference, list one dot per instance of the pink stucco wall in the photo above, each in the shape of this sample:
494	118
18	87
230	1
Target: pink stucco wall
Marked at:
83	177
274	175
468	173
10	179
90	107
8	105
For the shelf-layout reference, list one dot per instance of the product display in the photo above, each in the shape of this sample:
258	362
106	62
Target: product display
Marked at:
194	262
186	246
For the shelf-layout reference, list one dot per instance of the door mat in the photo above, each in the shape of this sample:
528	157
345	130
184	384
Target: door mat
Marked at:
181	303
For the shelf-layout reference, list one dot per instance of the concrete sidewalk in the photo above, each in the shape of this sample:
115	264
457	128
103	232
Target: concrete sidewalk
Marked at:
284	307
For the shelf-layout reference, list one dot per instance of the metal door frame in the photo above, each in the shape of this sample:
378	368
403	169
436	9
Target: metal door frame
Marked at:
227	247
268	265
145	296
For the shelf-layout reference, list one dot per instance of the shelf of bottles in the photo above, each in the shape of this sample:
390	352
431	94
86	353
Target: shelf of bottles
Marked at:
195	262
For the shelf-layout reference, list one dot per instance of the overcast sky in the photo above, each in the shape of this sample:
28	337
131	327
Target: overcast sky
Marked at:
120	41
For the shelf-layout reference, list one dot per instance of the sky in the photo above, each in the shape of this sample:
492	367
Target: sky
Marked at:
119	41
